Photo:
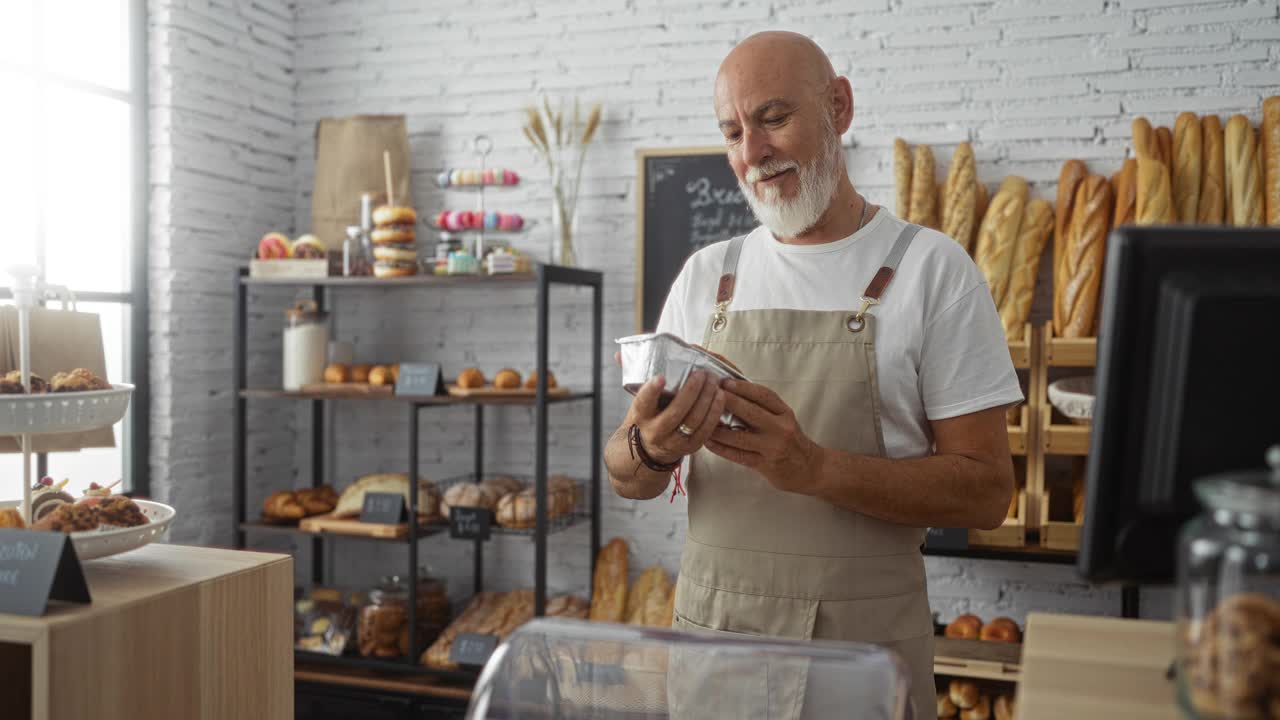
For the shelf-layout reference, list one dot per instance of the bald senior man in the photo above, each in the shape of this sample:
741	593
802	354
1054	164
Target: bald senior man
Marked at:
880	377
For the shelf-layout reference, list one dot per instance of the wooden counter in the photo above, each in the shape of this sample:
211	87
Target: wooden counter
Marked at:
173	632
1075	666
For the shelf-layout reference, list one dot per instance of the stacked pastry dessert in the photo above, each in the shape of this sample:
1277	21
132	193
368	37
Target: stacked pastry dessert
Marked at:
394	251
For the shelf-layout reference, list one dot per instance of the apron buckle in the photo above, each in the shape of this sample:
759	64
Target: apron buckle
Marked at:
857	321
720	319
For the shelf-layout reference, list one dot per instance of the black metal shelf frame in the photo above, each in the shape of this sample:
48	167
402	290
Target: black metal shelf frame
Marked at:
545	276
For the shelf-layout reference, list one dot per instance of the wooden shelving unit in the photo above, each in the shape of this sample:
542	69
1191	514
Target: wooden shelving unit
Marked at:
1057	436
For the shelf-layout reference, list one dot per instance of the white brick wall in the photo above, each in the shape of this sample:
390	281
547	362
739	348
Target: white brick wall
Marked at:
1030	82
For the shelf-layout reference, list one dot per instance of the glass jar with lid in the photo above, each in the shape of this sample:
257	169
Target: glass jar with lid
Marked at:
306	343
383	629
1228	602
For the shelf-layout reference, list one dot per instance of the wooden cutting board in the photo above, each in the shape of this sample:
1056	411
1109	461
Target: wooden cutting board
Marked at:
327	523
491	391
349	389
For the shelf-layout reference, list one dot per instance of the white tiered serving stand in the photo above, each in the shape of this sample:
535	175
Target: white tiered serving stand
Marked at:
23	416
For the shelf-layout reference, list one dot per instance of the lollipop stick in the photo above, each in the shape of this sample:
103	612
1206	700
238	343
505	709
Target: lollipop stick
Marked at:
386	169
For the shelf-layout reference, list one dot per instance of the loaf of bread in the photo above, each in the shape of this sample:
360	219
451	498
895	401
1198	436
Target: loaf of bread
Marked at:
964	693
517	510
1001	629
1164	146
569	606
609	595
1069	178
902	178
647	599
479	614
1125	183
283	506
960	196
1271	158
1244	174
1154	193
1212	209
1187	158
352	499
999	234
1144	139
468	494
1085	252
1033	233
924	189
979	211
964	627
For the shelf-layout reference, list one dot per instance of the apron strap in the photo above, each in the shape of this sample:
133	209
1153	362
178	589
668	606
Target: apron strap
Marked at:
728	278
880	281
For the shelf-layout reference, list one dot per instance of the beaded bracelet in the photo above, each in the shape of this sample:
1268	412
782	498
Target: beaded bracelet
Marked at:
637	450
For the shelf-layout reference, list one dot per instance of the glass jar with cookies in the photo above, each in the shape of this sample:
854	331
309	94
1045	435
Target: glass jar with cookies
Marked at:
1228	602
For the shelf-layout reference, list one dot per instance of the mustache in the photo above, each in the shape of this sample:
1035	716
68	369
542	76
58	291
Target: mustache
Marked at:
770	168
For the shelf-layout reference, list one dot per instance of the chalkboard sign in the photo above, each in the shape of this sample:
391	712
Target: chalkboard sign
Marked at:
947	538
36	567
469	523
420	379
385	508
472	648
688	198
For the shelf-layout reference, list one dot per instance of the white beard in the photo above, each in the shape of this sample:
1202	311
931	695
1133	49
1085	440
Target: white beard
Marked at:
791	218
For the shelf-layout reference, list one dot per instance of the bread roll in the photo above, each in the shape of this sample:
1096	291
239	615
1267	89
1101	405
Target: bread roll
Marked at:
999	234
1244	174
471	378
1001	629
1212	209
1085	252
902	178
609	598
1033	233
1125	183
1003	707
1187	156
924	192
283	505
960	196
1154	193
964	693
1144	139
1271	158
981	710
964	627
1164	146
1069	178
946	708
506	379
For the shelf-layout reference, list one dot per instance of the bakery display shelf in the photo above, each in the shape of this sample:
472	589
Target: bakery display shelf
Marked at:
1020	434
1060	438
977	659
366	679
1012	533
424	531
1056	534
1069	352
472	399
388	666
1026	553
1020	349
503	280
555	523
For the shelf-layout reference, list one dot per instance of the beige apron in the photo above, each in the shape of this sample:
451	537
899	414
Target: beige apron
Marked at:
762	561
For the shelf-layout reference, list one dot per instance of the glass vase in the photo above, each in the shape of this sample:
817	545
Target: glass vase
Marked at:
563	222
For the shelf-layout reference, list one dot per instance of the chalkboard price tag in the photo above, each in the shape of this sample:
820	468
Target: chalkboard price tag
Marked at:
468	523
472	648
36	567
385	508
947	539
420	379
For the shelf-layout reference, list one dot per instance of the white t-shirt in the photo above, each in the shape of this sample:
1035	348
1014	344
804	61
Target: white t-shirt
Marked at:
940	347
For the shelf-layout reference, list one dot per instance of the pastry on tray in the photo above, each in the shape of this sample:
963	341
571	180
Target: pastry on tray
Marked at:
97	494
11	384
47	496
11	519
69	518
78	380
119	511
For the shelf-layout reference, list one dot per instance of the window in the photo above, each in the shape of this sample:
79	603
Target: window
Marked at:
73	143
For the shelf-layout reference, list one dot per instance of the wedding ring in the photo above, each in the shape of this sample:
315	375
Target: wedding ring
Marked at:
685	430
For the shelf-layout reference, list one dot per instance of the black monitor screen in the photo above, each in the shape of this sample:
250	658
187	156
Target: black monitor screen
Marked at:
1188	385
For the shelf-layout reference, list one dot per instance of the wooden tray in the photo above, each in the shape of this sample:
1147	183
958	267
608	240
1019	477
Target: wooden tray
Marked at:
493	392
327	523
977	659
349	389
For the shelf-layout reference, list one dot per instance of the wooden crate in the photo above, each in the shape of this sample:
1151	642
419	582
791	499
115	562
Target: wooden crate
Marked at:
1057	535
977	659
1020	434
1058	438
1055	436
1022	349
1012	533
289	268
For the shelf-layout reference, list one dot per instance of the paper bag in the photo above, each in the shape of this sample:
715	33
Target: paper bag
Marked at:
349	163
61	341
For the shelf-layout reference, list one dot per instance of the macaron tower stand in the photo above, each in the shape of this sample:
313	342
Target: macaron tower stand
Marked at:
26	415
477	181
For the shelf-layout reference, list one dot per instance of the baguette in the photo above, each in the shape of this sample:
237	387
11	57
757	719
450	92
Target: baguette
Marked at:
1036	227
1085	252
1244	176
1164	145
1155	196
1125	183
1213	174
960	198
982	200
902	177
638	595
924	189
1187	158
942	202
1073	173
609	599
999	234
1271	157
1144	139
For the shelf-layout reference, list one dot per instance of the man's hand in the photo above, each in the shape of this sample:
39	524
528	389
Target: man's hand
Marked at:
696	408
773	445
